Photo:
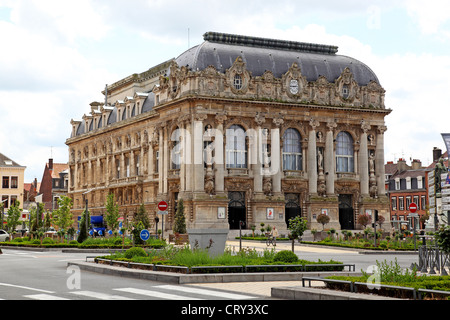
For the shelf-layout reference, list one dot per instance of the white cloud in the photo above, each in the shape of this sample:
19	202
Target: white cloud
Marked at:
53	56
431	16
61	20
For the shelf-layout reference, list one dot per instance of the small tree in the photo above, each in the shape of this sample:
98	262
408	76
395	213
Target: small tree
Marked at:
140	222
112	214
62	217
323	219
443	238
179	226
13	216
364	220
83	235
297	226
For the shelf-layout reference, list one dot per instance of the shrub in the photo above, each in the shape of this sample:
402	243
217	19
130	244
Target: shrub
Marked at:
286	256
48	241
135	251
17	240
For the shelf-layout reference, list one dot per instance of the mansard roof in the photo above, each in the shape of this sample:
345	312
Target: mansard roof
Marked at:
260	55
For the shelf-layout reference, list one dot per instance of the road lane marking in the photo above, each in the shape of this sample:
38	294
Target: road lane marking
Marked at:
23	287
156	294
101	296
44	297
225	295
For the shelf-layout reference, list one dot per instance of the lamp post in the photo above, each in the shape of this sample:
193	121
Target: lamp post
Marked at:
86	210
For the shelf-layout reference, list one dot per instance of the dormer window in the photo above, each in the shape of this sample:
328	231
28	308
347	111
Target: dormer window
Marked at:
345	91
237	83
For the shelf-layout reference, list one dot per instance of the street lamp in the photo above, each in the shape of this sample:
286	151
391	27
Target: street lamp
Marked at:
86	212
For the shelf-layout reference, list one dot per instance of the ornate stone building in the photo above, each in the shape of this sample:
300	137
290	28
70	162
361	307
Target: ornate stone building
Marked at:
242	129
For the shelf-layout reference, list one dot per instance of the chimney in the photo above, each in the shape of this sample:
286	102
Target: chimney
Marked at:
437	153
401	165
416	164
50	164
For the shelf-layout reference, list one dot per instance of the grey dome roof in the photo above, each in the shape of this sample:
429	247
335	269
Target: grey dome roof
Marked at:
261	55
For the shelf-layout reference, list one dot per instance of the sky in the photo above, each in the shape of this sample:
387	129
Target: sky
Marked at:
56	56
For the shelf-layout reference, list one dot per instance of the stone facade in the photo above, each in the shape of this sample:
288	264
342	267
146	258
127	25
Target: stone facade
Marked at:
235	144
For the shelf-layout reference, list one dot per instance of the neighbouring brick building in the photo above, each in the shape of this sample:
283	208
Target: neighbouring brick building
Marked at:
54	183
407	184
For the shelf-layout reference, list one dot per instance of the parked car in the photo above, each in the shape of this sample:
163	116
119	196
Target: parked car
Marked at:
4	236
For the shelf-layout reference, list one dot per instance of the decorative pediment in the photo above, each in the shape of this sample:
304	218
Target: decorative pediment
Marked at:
209	81
294	83
238	77
346	87
321	93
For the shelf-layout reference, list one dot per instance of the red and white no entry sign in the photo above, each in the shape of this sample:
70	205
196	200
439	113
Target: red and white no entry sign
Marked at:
162	206
413	207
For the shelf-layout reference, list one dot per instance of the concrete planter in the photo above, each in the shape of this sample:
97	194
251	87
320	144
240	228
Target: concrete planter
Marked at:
212	240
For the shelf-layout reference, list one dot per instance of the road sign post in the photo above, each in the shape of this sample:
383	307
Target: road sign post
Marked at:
413	209
163	206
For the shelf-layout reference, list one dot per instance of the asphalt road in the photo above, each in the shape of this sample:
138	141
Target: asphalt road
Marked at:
29	275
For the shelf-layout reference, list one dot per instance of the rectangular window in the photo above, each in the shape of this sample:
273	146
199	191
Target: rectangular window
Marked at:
394	203
408	202
397	184
5	183
401	203
13	200
423	202
419	183
408	183
14	182
5	201
416	201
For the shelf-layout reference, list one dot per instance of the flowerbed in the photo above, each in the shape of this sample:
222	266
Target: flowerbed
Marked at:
266	261
90	243
393	275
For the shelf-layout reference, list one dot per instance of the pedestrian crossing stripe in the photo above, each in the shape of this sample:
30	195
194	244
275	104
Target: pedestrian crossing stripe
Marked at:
156	294
224	295
101	296
44	296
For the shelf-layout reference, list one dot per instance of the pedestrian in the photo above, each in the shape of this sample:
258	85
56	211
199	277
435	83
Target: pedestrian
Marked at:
274	235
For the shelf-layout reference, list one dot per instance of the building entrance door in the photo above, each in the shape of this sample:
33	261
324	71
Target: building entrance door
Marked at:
346	212
292	208
237	210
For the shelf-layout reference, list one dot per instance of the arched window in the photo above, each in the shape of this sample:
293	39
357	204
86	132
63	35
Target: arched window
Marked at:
344	153
176	150
292	150
236	148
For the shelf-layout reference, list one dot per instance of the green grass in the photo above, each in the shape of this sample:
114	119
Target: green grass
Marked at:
88	243
392	274
186	257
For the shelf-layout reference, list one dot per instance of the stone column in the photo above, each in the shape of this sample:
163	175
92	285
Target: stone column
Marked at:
189	157
379	161
329	159
312	157
161	161
132	164
364	160
166	160
276	156
199	170
257	154
219	162
182	142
